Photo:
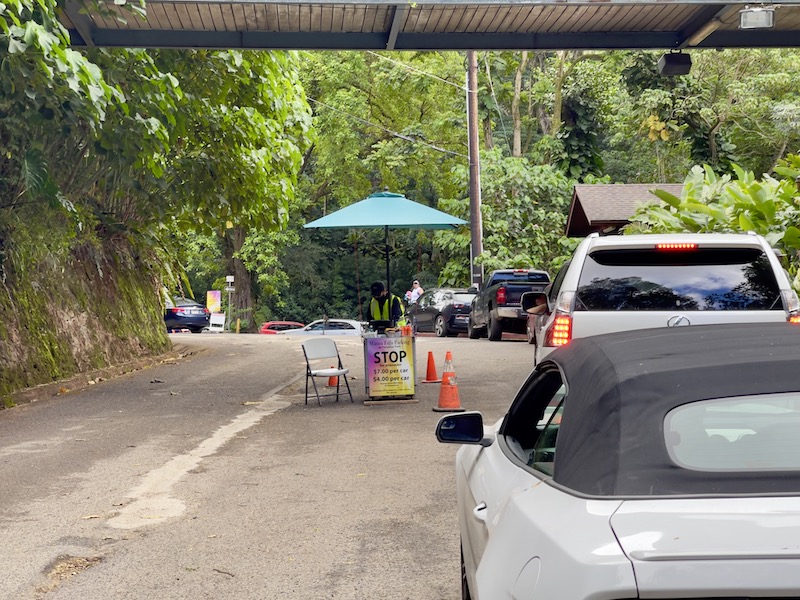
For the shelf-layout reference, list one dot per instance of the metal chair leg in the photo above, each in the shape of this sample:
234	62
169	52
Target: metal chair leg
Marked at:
316	391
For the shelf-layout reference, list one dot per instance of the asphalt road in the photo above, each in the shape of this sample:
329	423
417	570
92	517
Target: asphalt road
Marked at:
208	477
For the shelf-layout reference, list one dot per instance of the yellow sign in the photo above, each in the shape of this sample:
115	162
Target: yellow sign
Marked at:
390	366
214	301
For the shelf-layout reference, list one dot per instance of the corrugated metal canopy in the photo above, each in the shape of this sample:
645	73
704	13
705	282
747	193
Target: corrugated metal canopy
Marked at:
428	25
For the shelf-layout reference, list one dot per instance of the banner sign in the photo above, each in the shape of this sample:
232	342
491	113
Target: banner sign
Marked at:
390	366
214	301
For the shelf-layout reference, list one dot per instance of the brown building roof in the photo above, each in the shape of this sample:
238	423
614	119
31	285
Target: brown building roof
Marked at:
606	208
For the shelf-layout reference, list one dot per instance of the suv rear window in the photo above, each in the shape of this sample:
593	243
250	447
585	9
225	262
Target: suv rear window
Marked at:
701	279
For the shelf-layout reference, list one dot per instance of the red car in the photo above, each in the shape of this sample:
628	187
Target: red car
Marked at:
276	326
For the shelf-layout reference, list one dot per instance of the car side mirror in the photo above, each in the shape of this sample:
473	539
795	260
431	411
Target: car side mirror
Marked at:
472	290
462	428
534	302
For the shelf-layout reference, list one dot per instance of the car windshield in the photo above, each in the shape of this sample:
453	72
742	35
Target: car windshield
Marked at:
464	298
747	433
702	279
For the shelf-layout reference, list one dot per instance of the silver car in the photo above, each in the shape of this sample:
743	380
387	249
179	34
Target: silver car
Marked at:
657	463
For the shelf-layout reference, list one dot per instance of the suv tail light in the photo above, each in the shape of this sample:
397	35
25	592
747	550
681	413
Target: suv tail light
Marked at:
500	296
790	303
560	331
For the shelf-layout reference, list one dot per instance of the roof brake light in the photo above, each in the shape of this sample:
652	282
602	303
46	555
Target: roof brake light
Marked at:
676	246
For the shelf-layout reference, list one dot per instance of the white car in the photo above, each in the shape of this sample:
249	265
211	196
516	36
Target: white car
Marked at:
657	463
328	327
623	282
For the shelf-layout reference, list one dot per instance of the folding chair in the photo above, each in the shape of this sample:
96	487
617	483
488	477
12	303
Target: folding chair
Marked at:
318	349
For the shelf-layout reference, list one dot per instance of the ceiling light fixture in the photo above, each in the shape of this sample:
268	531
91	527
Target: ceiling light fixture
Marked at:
757	17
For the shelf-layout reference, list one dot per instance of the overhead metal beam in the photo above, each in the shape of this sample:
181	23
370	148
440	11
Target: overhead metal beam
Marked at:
705	24
75	10
155	38
398	18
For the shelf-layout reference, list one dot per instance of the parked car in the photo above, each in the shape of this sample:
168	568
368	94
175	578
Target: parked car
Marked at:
655	463
272	327
624	282
496	307
444	311
185	313
328	327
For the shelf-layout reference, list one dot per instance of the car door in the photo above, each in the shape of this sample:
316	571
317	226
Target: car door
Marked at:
423	312
496	471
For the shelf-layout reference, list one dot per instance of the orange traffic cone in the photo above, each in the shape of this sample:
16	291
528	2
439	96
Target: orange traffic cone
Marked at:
333	380
448	393
431	376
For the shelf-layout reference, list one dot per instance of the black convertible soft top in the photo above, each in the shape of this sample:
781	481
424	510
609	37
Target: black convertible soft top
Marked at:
620	387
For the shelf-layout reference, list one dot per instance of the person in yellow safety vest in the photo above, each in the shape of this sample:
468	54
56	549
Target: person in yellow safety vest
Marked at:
379	306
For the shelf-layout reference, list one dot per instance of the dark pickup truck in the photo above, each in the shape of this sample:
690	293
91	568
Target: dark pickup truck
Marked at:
496	308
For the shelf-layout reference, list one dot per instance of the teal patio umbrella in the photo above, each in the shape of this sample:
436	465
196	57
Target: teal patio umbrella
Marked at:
385	209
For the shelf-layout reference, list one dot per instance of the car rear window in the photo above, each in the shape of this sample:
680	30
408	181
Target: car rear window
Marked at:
700	279
747	433
524	276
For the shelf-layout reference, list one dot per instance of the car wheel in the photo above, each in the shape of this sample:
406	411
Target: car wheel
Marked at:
441	327
465	595
195	330
472	333
495	331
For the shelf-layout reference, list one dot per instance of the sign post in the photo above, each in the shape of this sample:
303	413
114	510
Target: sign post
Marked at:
230	289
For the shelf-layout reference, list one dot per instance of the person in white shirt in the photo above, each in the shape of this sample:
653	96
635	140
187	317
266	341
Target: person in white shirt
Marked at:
416	292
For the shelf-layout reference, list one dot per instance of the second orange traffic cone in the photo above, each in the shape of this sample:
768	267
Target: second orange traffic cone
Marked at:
333	380
431	376
448	393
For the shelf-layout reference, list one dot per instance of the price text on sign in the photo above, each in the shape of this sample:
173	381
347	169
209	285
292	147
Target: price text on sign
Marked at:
390	366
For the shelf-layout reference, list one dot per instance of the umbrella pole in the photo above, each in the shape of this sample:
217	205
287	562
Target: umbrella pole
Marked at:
386	249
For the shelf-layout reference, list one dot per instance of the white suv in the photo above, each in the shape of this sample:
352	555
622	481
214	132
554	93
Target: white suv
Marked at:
623	282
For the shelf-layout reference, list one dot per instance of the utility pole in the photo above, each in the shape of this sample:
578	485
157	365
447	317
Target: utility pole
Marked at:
476	221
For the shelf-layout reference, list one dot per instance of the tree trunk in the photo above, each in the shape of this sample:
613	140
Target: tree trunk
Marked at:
488	141
558	84
243	301
516	144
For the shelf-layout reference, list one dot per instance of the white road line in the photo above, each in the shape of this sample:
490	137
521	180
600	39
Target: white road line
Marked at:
152	503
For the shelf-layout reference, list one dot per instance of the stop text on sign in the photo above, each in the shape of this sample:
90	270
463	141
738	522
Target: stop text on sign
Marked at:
389	356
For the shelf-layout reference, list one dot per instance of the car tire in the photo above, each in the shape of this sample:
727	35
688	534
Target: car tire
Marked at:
195	330
494	329
465	595
440	326
472	333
